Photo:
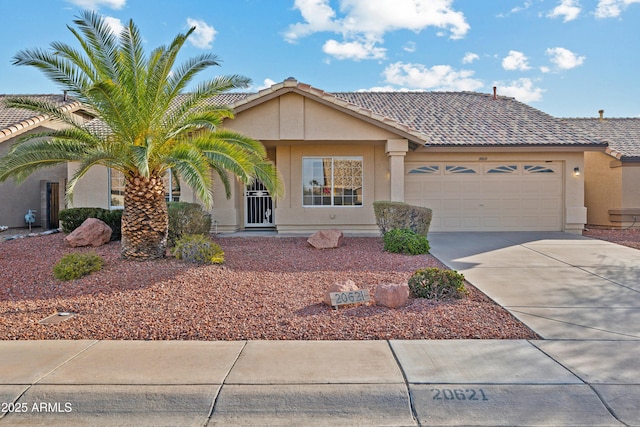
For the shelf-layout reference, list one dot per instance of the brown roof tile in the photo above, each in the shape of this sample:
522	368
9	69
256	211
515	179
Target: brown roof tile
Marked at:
13	120
622	134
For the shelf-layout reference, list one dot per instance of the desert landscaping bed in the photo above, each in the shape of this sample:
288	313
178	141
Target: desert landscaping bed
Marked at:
626	237
268	288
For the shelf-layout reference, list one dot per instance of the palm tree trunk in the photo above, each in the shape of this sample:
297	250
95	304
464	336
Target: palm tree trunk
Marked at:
144	220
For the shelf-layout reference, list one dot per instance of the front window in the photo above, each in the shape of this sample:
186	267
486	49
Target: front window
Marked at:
117	183
116	189
332	181
171	187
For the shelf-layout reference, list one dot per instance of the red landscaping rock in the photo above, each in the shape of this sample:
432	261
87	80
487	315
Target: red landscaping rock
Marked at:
326	239
392	295
92	232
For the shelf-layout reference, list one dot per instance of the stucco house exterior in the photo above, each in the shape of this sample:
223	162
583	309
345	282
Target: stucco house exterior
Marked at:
612	178
44	191
482	162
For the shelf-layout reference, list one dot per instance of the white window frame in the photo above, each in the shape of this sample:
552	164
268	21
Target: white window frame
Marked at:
332	196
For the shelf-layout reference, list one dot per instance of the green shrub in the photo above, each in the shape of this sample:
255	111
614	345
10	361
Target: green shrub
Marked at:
186	218
405	241
114	220
398	215
74	217
77	265
434	283
198	248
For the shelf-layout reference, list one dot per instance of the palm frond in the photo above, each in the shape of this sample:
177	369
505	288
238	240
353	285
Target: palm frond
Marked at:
28	158
193	167
100	44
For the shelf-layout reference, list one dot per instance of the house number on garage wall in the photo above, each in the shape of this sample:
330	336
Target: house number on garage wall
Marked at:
458	394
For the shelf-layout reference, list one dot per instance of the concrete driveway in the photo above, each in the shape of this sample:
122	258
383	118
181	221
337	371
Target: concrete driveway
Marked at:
561	285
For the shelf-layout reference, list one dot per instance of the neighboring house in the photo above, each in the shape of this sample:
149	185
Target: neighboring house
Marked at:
481	162
43	192
612	178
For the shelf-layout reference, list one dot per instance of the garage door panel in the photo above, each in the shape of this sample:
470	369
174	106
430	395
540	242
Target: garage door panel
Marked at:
513	199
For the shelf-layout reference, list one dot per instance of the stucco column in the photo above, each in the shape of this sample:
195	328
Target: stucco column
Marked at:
396	150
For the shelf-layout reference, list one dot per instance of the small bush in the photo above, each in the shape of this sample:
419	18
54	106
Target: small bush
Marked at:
74	217
434	283
405	241
114	220
77	265
186	218
399	215
199	249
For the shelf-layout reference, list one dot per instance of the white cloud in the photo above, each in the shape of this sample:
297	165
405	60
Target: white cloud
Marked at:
612	8
569	9
469	57
96	4
410	47
522	89
563	58
204	34
115	24
365	22
515	61
545	69
267	83
318	16
527	4
353	50
438	77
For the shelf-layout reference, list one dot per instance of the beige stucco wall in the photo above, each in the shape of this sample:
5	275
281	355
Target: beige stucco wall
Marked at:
603	187
292	127
17	199
93	189
574	210
631	185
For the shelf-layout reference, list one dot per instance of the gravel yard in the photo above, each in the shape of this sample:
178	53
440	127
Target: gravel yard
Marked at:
269	288
625	237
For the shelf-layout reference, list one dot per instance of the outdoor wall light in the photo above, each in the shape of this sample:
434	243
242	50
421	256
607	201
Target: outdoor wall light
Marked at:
576	171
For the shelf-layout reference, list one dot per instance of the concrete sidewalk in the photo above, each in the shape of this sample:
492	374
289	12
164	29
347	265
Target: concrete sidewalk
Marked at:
303	383
585	373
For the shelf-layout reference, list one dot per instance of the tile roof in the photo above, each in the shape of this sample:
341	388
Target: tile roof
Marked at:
445	118
622	134
13	120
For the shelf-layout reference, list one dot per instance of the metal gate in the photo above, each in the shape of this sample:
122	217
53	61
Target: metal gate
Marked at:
258	206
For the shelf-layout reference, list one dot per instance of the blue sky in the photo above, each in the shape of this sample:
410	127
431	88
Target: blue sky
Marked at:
568	58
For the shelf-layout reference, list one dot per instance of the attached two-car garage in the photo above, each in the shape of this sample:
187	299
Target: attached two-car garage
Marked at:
488	196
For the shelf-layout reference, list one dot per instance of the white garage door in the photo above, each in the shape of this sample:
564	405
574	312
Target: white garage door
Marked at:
483	196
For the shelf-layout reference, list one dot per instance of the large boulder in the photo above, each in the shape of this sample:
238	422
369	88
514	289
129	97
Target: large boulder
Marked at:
326	239
92	232
346	286
392	295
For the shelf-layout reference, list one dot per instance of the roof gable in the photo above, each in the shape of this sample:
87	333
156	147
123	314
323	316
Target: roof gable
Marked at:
445	119
17	120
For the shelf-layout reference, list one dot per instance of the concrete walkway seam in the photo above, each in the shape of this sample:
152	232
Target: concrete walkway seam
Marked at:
37	380
224	380
604	402
414	412
575	324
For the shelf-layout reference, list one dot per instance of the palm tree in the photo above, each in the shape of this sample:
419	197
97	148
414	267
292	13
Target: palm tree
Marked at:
147	125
